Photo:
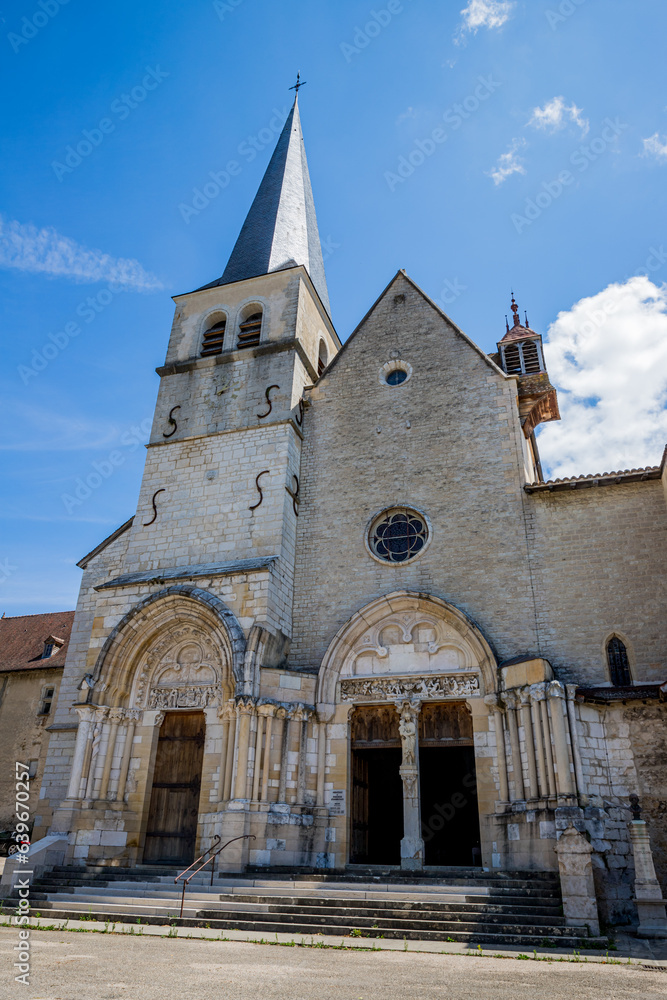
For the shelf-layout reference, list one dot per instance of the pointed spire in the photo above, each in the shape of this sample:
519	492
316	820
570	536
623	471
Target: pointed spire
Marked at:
280	229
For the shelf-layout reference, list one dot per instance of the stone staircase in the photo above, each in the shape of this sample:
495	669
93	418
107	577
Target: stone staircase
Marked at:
456	904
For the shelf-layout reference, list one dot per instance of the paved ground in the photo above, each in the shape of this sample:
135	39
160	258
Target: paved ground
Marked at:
89	966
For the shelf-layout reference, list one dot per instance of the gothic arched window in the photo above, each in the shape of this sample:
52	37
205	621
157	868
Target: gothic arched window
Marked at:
322	358
619	665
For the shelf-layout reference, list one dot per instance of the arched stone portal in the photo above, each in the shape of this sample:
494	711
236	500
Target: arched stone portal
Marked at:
409	676
150	731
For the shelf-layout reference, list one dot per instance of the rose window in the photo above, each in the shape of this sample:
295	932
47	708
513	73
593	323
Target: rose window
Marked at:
398	535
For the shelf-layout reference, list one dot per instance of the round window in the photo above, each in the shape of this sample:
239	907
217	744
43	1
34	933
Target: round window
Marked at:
397	376
398	535
395	372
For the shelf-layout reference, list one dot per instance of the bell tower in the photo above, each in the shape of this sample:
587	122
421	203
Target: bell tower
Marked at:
220	493
520	353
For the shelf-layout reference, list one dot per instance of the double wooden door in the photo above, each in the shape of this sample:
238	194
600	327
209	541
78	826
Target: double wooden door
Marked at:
174	807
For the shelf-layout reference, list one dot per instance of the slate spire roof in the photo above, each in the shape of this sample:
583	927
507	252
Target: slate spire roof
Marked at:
281	227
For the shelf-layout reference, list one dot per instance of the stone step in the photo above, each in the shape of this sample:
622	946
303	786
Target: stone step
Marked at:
505	891
571	937
450	902
295	909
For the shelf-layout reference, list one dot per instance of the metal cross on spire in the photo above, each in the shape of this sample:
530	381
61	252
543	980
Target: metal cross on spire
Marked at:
298	84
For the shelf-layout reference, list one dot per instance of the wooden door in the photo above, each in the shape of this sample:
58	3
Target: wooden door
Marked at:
172	817
359	846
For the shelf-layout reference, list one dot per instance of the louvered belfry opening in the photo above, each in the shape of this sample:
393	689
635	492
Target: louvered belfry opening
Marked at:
213	339
512	359
522	358
531	357
619	665
250	330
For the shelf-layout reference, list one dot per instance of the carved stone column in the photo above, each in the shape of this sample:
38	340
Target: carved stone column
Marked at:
543	739
527	722
225	714
268	711
511	701
257	762
412	845
90	765
539	743
132	719
244	710
576	749
304	719
321	761
86	715
501	759
556	694
546	733
279	755
116	716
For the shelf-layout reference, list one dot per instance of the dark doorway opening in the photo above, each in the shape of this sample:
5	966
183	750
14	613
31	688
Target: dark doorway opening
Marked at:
450	815
174	807
377	807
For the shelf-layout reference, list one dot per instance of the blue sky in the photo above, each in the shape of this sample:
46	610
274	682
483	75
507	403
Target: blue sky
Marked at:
550	179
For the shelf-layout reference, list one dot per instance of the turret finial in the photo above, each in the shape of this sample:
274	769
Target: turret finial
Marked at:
515	310
298	84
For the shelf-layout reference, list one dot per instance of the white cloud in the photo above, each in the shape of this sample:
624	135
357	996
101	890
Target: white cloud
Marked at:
555	115
654	146
44	251
608	357
509	163
485	14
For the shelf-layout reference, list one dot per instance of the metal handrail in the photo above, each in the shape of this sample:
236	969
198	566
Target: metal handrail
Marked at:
216	841
246	836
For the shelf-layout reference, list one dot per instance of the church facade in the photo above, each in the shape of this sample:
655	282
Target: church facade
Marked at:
349	622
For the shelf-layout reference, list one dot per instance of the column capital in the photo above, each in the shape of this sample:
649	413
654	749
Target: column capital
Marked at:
555	689
226	711
132	714
491	700
538	691
266	709
116	715
86	713
245	705
511	698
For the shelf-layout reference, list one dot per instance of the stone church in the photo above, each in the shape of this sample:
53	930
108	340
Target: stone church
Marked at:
349	622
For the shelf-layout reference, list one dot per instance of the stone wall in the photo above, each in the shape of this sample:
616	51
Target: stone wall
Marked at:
598	557
447	441
23	735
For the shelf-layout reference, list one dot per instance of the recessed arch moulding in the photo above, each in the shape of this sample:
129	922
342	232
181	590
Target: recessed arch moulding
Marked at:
179	648
419	645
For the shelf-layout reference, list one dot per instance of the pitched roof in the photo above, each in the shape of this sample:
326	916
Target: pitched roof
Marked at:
280	229
22	640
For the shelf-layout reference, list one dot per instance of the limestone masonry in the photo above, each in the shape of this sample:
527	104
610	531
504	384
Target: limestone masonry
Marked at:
348	618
